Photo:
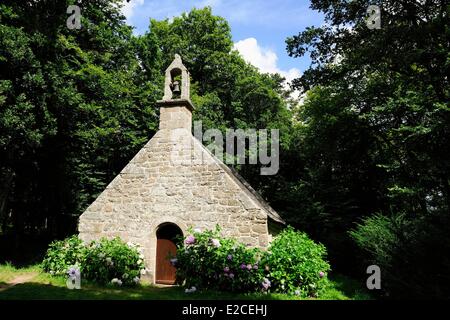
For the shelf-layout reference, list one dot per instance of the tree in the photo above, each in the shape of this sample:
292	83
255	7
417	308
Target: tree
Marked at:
375	128
76	105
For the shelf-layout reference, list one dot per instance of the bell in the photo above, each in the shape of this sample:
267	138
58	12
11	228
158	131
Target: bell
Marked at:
176	87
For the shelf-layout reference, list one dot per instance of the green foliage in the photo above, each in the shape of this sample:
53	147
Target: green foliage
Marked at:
297	264
208	261
293	264
373	138
103	261
411	253
380	236
63	254
113	261
76	105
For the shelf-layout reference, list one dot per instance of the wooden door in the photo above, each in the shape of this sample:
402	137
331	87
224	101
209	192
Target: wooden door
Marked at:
165	272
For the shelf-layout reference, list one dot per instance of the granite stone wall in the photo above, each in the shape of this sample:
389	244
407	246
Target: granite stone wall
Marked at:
174	179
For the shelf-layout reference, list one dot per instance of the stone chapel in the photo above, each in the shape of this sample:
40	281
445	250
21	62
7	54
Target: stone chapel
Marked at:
172	184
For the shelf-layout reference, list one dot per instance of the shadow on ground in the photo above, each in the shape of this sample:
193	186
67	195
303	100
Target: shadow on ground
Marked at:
39	291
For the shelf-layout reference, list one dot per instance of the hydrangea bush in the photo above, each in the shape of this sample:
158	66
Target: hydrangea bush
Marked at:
113	261
297	264
62	254
293	264
206	260
104	261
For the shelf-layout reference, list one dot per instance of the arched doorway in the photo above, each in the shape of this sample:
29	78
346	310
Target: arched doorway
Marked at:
165	249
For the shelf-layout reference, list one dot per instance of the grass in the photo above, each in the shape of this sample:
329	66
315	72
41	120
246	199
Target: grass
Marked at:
8	272
44	286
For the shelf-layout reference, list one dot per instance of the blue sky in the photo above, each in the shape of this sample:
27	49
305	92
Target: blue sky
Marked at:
259	27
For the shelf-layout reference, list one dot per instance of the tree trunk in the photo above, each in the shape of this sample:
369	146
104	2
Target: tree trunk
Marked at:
5	189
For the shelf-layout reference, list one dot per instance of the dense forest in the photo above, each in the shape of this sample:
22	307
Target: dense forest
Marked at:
364	157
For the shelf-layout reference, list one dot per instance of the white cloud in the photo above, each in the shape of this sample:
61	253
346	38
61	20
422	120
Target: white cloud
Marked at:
210	3
264	59
129	7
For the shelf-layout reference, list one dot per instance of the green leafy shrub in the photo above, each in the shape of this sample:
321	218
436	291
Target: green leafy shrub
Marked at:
206	260
297	264
104	261
380	236
293	264
113	261
63	254
411	252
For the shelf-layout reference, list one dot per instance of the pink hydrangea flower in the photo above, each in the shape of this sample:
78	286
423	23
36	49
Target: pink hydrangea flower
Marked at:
189	240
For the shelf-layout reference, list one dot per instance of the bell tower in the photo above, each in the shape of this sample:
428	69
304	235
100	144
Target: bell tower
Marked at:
176	106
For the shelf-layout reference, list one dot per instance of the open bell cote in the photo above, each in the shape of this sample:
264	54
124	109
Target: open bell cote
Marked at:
173	72
176	106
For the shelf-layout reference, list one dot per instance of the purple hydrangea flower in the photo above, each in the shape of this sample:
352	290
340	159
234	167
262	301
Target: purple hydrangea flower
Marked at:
226	269
229	257
243	266
255	267
321	274
231	275
249	267
189	240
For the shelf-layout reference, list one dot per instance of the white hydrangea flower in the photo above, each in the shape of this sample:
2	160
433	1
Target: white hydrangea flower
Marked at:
143	272
136	280
215	243
191	290
109	262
